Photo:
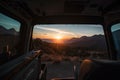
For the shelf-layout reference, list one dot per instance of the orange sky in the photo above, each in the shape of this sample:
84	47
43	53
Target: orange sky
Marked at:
52	36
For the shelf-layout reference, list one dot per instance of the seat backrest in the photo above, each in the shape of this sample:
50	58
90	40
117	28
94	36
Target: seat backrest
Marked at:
99	70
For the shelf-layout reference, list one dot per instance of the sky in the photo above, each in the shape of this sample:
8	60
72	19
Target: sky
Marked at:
9	23
66	31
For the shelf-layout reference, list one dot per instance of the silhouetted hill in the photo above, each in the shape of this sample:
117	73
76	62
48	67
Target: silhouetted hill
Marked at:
48	40
76	39
4	31
94	42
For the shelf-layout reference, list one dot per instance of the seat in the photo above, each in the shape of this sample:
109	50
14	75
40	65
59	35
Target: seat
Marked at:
99	70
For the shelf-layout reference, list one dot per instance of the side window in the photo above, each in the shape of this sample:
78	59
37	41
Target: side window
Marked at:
116	36
9	38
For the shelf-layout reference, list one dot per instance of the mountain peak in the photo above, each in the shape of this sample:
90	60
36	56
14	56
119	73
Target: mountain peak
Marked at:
12	29
2	28
95	41
4	31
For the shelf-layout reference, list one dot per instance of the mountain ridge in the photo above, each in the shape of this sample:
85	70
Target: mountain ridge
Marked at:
4	31
95	41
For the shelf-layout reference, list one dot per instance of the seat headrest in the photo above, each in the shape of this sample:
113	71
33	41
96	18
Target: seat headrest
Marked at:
99	70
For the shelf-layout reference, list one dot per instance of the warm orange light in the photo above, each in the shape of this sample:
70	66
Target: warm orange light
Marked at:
58	37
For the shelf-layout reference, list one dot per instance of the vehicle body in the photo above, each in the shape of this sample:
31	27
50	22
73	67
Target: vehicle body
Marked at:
26	63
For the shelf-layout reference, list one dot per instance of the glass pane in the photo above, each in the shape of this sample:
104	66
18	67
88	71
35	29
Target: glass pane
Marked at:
9	37
116	36
67	45
70	40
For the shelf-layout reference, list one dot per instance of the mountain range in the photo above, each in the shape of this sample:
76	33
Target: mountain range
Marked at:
92	42
4	31
95	41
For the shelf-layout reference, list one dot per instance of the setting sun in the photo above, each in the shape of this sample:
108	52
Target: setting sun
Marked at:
58	37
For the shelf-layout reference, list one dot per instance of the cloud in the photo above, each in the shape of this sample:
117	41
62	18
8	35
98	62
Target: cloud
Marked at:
55	30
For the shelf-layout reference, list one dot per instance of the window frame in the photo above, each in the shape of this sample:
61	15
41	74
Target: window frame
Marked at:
87	23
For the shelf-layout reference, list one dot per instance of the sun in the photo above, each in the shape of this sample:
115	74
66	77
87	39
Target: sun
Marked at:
58	37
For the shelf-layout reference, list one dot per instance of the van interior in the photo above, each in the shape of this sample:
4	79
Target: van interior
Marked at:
59	39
